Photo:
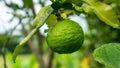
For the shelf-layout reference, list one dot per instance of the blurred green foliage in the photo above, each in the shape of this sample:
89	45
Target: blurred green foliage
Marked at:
98	33
12	43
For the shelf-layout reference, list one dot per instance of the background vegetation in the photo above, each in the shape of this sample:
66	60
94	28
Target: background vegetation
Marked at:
36	53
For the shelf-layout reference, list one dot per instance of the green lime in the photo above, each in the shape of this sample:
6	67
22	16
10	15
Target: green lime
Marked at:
65	36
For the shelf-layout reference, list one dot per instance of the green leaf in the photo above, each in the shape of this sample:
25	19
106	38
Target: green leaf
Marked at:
77	8
105	13
108	54
77	2
42	16
56	5
65	13
52	19
21	44
27	3
109	1
112	1
38	22
61	1
87	8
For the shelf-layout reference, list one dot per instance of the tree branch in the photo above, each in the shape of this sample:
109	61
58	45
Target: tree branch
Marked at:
34	50
50	58
40	40
4	48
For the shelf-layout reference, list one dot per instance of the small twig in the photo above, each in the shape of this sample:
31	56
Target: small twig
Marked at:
4	53
4	48
36	52
5	3
50	58
42	3
33	10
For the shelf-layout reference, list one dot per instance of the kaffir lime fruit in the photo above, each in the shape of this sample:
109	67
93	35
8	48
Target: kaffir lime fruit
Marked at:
65	36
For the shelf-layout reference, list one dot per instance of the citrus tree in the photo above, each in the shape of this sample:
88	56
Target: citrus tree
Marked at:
100	45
